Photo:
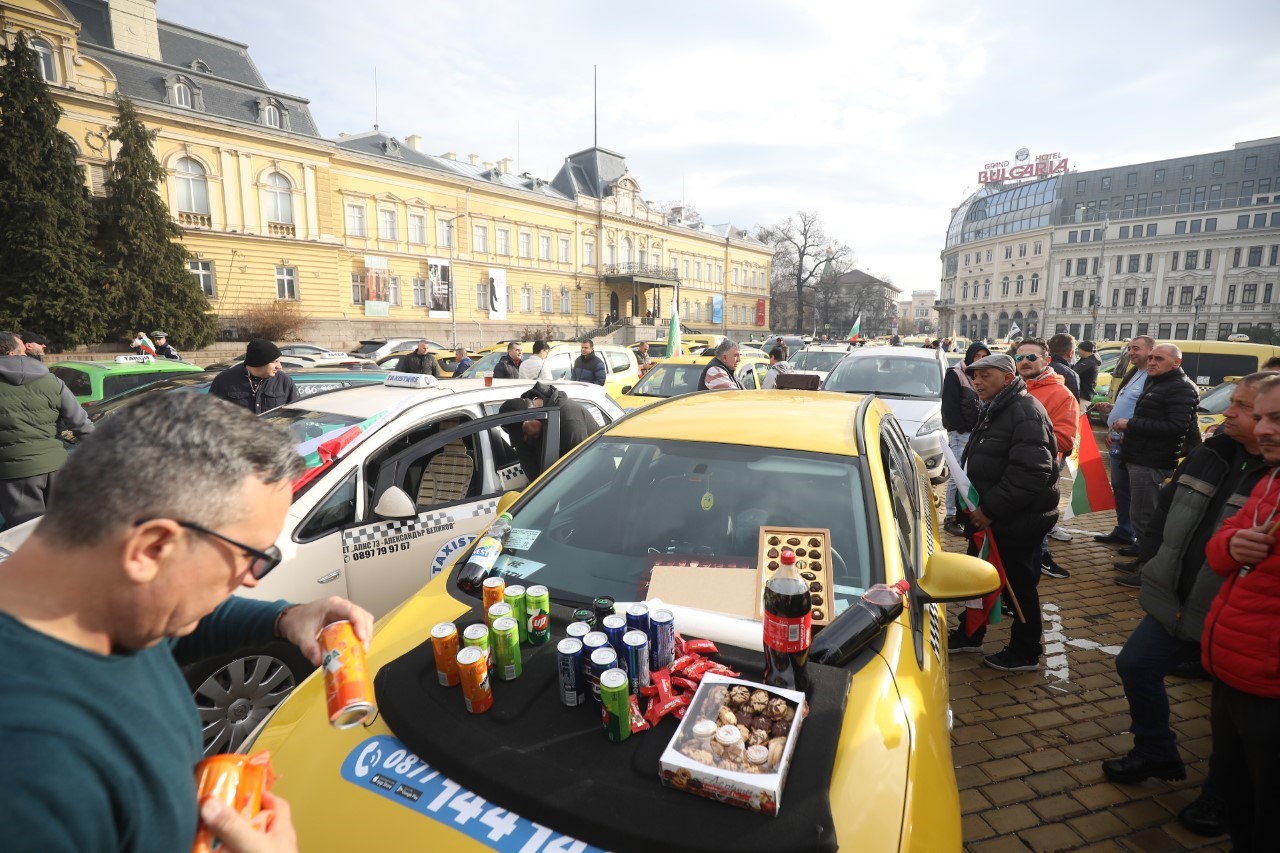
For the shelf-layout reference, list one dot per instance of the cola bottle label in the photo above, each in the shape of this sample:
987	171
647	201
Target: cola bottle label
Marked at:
788	633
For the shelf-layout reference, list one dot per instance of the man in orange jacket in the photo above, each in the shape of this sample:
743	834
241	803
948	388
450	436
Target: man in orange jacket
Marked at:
1047	386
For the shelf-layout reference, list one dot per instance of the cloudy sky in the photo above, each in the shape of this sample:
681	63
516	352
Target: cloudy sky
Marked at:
876	115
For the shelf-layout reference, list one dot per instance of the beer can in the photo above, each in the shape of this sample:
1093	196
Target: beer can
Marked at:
478	635
615	704
636	644
577	630
538	613
348	690
662	639
569	666
602	659
515	597
638	618
506	641
498	611
445	644
494	589
585	614
473	672
603	606
614	627
238	781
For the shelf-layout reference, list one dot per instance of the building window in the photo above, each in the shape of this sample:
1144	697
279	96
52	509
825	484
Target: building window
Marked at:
1106	183
1219	168
193	186
1193	259
1274	251
1255	256
1186	296
1208	258
546	300
544	247
444	233
526	299
1077	299
1124	232
1211	224
279	193
1174	263
1130	297
1037	248
355	220
387	229
1119	264
1022	250
417	228
1115	298
1004	286
357	288
480	238
964	294
1266	293
287	283
986	289
564	250
1231	294
1018	285
393	290
1147	263
1251	163
1035	283
684	266
1189	172
1066	295
1259	220
1169	300
966	259
182	95
988	256
1082	266
1146	294
1235	257
1195	226
420	293
566	303
504	241
526	244
1249	294
589	304
1071	236
1008	252
589	254
203	271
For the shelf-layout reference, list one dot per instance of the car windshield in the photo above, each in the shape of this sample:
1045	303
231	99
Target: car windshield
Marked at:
887	374
114	384
190	382
306	424
623	506
369	347
484	366
822	360
668	380
1107	361
1215	402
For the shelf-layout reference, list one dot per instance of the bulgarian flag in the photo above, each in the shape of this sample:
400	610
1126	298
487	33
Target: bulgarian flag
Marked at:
321	452
143	343
673	332
1090	489
856	329
985	541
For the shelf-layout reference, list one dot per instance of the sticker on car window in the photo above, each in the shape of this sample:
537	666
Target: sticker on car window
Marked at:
383	765
446	552
521	540
517	566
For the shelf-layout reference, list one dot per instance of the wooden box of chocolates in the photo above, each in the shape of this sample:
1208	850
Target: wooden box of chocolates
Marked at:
813	562
735	743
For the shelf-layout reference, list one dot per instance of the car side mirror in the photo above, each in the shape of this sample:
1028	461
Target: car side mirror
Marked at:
956	577
626	389
507	499
395	503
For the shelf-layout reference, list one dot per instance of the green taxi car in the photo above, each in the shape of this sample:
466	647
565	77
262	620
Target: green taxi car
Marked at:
92	381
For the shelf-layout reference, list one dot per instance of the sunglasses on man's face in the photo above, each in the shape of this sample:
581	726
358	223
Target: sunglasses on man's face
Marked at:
1031	356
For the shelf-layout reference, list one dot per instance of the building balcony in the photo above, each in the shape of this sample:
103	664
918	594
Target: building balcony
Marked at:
195	220
637	272
281	229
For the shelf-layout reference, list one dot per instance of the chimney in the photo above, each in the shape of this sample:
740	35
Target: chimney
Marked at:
449	155
474	158
505	165
487	165
677	215
133	27
413	141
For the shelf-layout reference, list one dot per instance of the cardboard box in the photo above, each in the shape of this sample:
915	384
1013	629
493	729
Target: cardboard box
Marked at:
762	791
811	559
732	591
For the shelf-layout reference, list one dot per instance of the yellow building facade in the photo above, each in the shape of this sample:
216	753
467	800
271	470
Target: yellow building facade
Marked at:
369	235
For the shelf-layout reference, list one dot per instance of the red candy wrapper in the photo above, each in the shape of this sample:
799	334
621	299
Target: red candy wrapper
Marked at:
638	722
684	684
700	647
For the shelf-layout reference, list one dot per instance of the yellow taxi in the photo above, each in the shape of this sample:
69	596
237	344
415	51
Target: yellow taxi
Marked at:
667	491
671	377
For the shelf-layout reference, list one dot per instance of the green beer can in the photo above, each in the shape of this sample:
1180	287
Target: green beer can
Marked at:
515	597
537	608
615	697
506	641
478	635
498	611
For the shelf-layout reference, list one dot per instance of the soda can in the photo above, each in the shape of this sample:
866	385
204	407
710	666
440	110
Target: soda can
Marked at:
348	689
614	627
577	630
569	665
499	611
662	639
515	597
506	641
602	659
473	671
494	590
636	659
615	704
238	781
538	613
445	644
478	635
603	606
638	618
594	640
585	614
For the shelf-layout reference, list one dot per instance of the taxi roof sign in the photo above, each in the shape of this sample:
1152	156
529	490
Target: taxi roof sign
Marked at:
410	380
134	359
332	354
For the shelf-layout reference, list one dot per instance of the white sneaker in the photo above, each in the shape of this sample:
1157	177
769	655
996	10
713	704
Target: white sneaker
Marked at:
1060	534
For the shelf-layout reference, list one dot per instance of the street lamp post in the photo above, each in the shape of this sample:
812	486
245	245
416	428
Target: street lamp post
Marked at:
1199	304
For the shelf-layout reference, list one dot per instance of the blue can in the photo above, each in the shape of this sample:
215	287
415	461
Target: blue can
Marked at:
638	618
602	659
662	639
637	659
614	627
569	665
593	640
578	630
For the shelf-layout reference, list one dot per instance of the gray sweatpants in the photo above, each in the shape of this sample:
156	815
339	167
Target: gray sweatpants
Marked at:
23	499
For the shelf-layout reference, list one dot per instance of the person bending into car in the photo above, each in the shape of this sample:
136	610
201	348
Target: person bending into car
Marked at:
1010	460
527	437
113	590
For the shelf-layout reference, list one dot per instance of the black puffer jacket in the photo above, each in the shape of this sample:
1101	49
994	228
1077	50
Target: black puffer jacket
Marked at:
959	402
1010	460
1154	435
414	363
234	386
1087	369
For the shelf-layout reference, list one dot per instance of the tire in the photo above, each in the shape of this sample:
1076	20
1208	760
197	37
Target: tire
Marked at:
233	694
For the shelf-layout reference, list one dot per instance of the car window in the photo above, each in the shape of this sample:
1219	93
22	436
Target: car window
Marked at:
118	383
747	377
306	425
822	360
618	361
1210	368
77	381
887	374
432	471
1218	400
336	511
559	366
484	366
668	380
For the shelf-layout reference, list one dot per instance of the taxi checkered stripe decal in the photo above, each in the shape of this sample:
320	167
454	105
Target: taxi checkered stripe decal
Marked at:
512	473
935	639
373	533
482	508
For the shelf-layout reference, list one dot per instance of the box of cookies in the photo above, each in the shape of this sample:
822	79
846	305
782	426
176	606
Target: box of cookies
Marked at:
812	547
735	743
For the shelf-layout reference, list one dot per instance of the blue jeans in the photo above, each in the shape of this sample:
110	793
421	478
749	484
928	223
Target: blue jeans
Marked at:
1120	488
1147	656
957	441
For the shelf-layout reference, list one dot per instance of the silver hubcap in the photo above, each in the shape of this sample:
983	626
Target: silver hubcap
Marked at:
236	698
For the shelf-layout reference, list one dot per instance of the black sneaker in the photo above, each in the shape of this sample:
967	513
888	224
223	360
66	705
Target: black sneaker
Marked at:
958	643
1133	580
1053	570
954	527
1010	661
1205	816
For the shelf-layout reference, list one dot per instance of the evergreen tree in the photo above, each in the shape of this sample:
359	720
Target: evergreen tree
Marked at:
49	277
149	283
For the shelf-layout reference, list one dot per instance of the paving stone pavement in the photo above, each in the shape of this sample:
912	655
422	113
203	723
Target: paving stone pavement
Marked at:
1028	746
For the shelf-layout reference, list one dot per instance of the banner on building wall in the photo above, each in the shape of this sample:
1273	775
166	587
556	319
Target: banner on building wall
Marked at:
760	312
717	309
440	289
497	294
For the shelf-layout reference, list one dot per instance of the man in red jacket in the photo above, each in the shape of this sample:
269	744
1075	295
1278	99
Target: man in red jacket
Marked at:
1240	647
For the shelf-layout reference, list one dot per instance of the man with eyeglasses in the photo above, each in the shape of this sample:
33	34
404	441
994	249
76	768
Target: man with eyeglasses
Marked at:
115	588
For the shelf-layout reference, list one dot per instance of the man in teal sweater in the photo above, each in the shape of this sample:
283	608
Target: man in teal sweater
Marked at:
130	573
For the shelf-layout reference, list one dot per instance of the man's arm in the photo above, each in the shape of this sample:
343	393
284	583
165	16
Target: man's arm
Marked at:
237	623
601	372
291	392
71	413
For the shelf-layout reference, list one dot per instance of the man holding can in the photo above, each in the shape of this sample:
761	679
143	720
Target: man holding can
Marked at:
115	588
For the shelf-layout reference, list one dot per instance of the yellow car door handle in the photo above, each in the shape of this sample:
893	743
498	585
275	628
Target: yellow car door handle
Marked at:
332	576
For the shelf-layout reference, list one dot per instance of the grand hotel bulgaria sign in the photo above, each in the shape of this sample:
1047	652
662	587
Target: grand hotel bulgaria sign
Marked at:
1023	166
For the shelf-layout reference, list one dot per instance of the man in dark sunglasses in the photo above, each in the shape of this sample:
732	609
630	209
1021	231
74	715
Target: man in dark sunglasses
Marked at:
129	574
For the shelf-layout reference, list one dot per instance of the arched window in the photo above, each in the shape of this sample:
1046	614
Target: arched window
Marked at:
1002	325
626	250
182	95
271	116
279	198
1033	324
193	187
1019	285
986	289
965	291
44	58
984	325
1004	286
1035	283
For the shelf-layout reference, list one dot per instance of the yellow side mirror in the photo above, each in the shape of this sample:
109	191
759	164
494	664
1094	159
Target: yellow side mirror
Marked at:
507	499
956	577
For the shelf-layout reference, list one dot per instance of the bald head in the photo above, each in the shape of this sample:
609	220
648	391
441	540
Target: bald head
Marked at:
1165	358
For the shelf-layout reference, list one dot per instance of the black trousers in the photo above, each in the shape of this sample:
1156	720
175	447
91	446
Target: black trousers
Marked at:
1019	548
1246	765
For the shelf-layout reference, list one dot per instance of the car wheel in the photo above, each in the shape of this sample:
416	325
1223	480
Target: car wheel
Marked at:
234	694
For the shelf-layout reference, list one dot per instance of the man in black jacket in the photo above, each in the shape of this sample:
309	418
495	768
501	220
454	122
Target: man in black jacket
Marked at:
1011	461
576	425
1153	436
1087	369
256	383
508	366
1061	347
420	361
959	414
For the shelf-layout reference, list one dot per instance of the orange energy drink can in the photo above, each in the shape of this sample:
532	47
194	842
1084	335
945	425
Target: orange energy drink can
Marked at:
473	671
495	590
347	686
444	643
238	781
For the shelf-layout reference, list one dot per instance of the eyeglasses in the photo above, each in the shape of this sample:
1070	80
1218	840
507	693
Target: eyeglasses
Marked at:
1027	357
262	562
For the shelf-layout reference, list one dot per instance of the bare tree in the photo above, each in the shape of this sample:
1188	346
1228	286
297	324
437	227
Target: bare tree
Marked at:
802	255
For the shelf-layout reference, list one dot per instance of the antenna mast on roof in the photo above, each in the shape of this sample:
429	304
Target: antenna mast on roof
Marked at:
375	97
595	108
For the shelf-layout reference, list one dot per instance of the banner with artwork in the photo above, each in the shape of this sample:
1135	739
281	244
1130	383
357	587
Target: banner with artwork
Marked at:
440	284
717	308
497	294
